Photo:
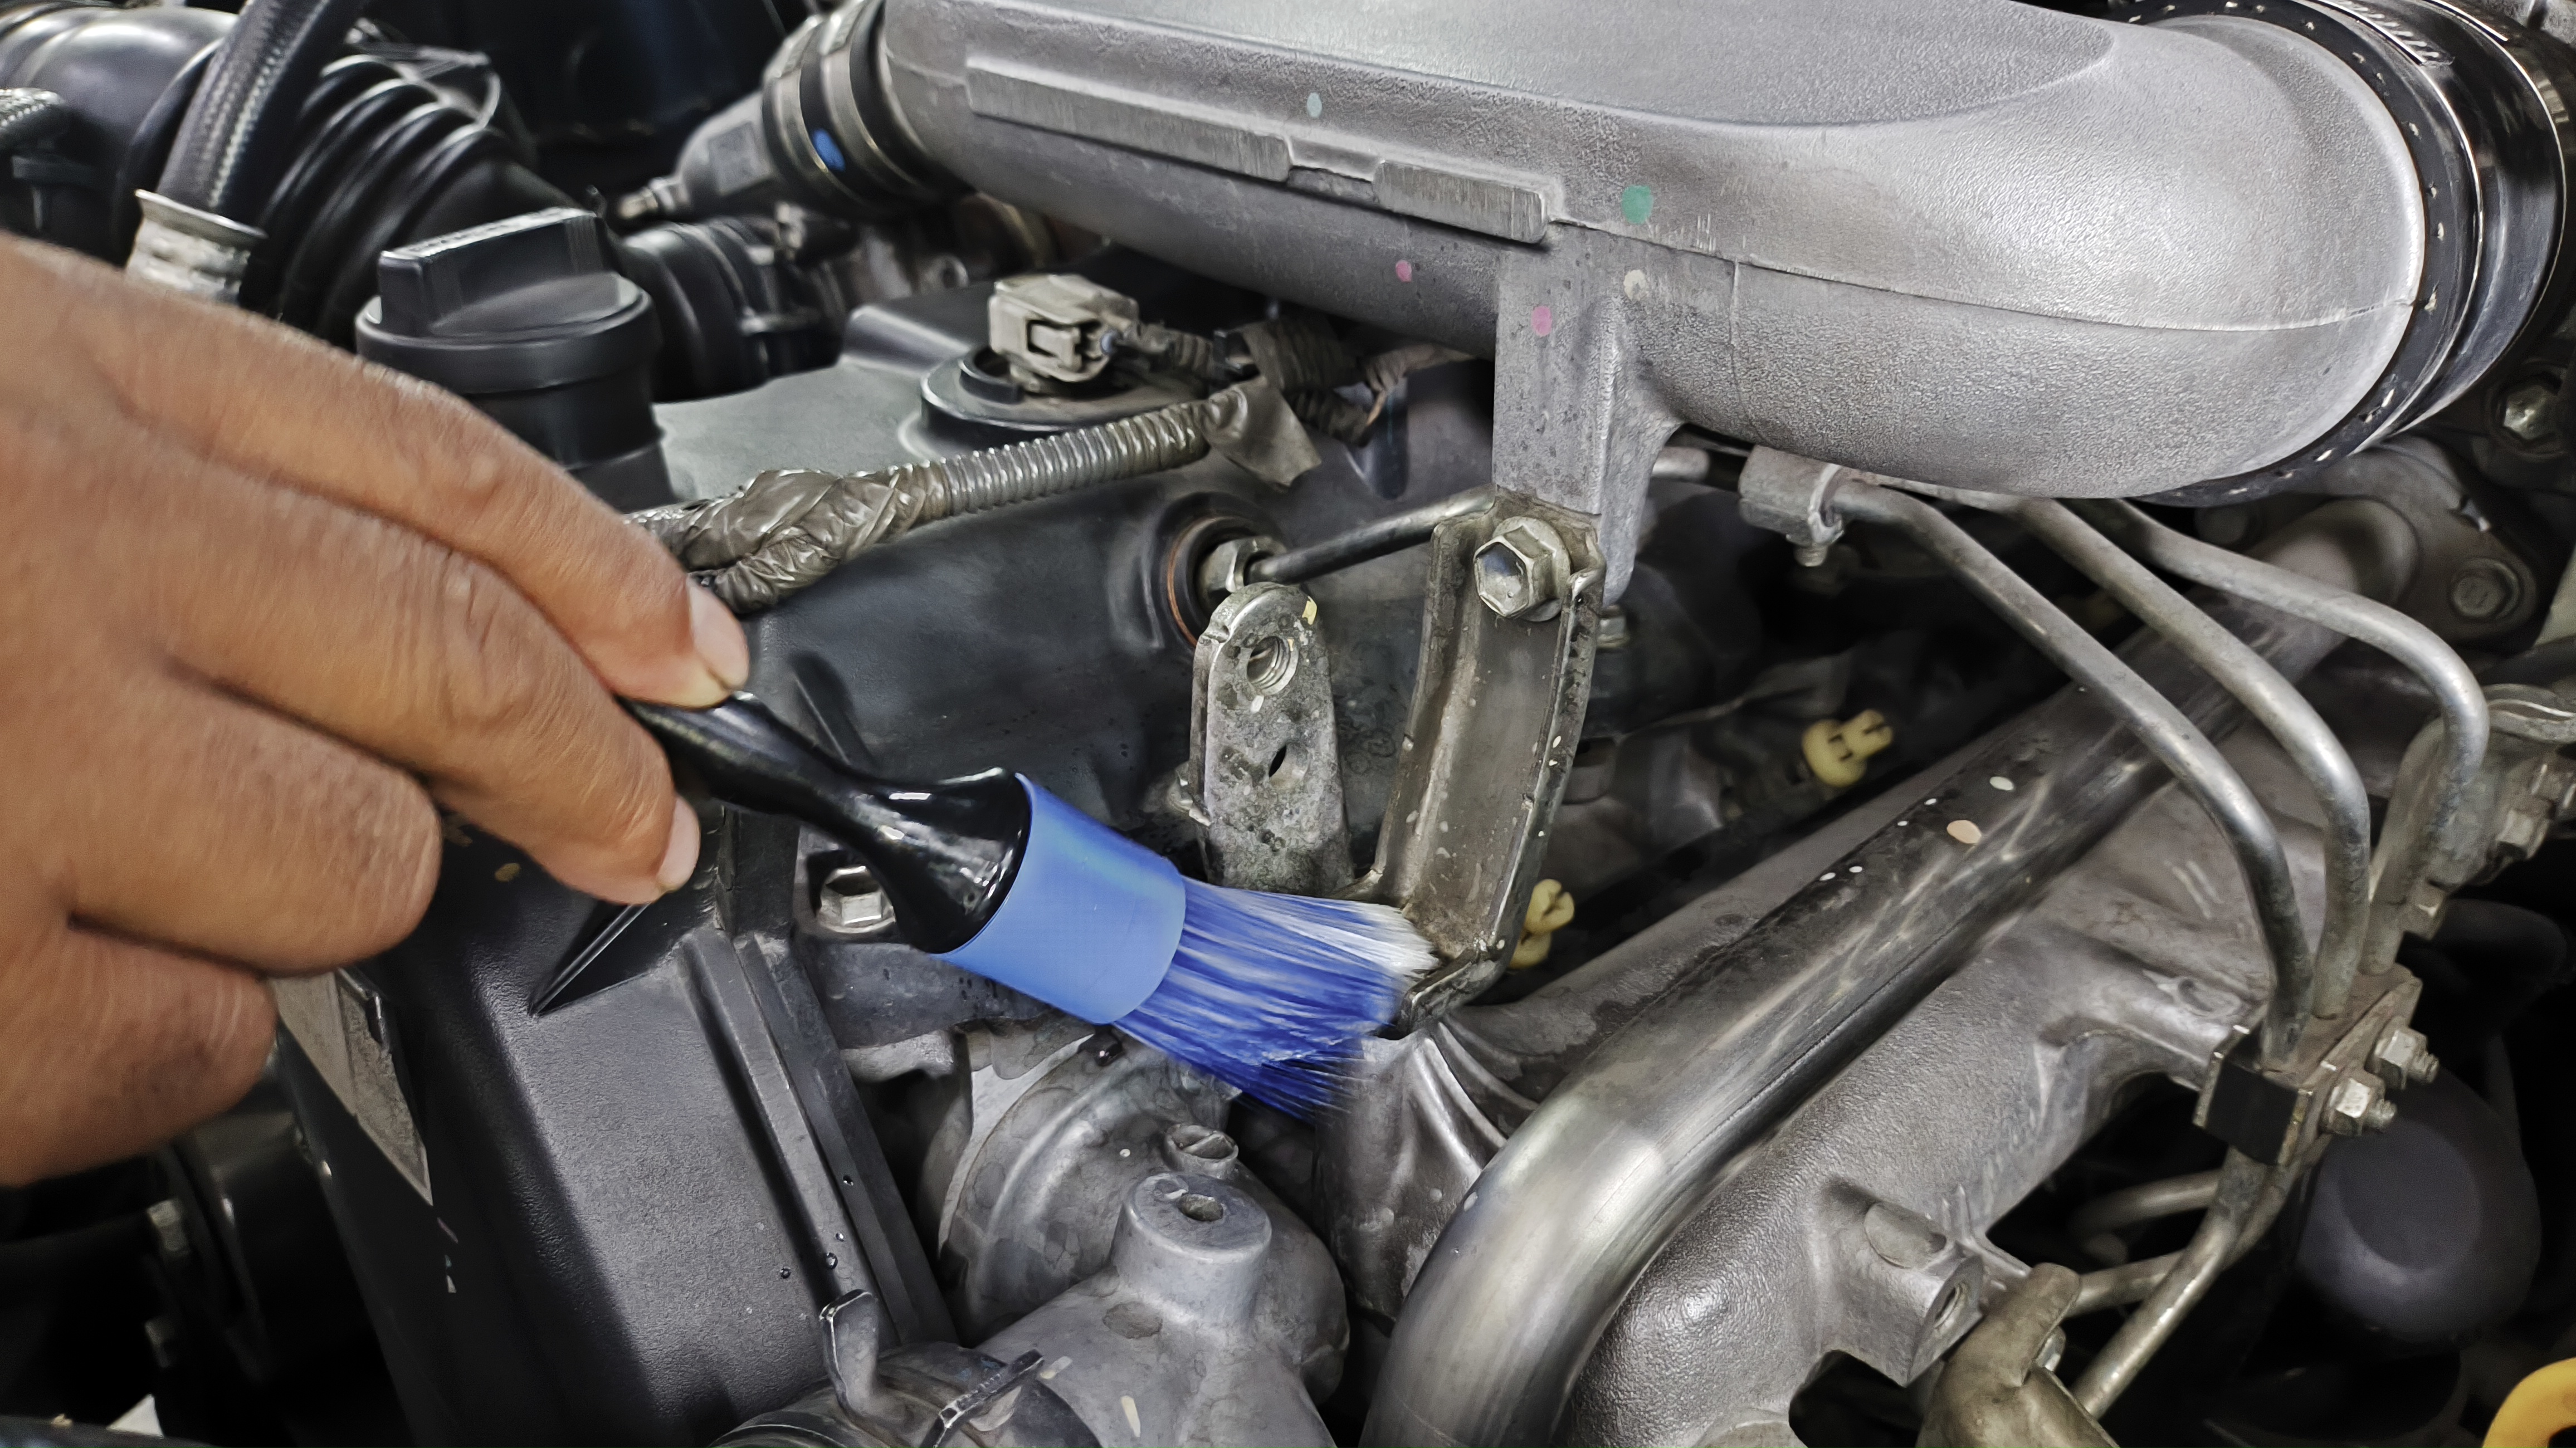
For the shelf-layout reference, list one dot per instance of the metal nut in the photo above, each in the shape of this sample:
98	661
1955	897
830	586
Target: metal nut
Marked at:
2357	1104
850	904
1228	566
2402	1059
1521	571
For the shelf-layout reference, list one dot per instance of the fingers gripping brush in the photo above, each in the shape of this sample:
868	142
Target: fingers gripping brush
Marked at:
994	874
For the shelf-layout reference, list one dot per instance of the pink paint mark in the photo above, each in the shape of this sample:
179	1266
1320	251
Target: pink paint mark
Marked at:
1404	271
1542	320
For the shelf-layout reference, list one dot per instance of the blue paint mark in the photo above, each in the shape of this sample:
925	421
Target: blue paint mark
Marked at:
829	150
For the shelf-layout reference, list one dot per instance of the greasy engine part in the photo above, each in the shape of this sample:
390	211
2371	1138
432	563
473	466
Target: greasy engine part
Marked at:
2117	967
1638	240
1803	991
1831	1089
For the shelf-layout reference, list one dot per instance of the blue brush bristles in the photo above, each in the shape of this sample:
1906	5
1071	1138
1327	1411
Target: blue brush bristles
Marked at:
1268	993
1271	993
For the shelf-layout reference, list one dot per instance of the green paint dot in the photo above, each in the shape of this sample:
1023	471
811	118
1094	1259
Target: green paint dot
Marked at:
1314	103
1637	203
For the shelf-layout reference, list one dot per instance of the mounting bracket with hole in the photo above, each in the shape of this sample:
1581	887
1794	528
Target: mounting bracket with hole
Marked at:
1265	775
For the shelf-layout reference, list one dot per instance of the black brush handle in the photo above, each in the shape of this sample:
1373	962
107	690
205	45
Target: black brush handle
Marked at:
943	853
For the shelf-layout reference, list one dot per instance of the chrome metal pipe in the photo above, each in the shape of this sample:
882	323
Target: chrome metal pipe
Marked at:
2240	1185
2182	748
1373	540
2094	1224
2319	755
2455	690
2132	1281
1629	1145
2171	1284
2121	1285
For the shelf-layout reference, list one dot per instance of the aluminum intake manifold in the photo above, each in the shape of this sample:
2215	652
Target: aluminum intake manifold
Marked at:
1970	242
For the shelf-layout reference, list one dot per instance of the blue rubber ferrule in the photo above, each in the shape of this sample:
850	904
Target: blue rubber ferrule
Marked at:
1090	922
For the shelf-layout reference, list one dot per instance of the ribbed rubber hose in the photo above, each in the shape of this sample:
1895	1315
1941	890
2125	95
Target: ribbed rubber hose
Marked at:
31	117
240	130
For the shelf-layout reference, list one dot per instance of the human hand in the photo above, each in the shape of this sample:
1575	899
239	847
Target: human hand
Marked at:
264	605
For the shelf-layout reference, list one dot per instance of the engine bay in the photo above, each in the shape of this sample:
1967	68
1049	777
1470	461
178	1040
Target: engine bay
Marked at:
1955	622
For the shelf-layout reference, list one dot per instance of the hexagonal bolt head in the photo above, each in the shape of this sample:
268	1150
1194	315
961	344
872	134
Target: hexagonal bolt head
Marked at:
851	904
2484	588
2402	1059
1521	571
2530	413
2356	1105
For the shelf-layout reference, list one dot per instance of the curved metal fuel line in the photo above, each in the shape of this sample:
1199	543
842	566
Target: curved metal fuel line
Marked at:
2454	688
2181	747
2329	770
2096	1224
2320	756
2241	1184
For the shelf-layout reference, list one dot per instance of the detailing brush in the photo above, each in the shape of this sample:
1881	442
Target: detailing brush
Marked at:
994	874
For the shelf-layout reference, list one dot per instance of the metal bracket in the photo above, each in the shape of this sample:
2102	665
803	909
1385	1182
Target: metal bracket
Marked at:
850	1339
2525	787
1497	711
2330	1087
966	1404
1265	773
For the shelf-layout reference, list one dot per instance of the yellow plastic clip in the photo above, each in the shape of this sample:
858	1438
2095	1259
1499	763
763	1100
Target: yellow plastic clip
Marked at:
1549	910
2539	1408
1838	751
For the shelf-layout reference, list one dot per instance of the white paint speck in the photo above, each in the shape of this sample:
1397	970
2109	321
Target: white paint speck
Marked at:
1966	831
1999	782
1135	1424
1314	107
1825	876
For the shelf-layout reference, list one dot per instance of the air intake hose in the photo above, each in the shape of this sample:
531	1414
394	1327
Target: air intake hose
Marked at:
234	144
200	224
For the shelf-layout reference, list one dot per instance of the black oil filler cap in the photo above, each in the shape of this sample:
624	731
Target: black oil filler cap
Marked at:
527	319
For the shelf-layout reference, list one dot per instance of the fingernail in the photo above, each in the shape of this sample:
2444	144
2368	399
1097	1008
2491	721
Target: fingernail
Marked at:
718	638
680	860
